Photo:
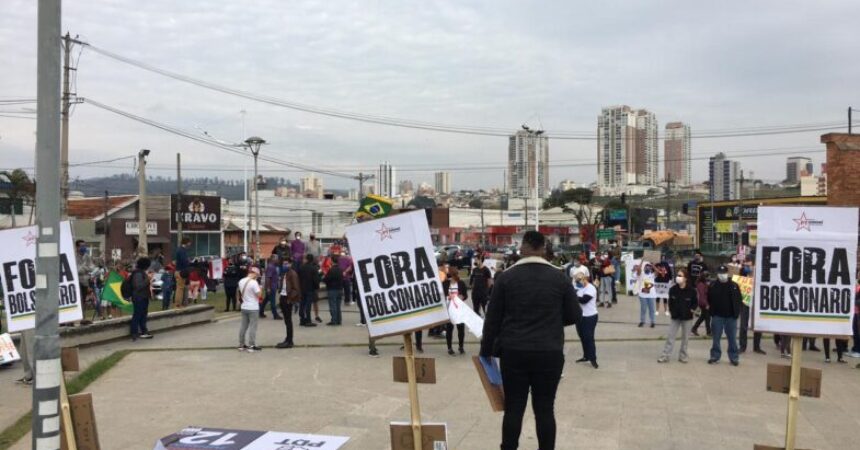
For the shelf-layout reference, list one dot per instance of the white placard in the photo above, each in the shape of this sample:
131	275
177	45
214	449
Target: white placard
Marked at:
132	228
18	275
397	275
224	439
274	440
216	269
8	352
806	266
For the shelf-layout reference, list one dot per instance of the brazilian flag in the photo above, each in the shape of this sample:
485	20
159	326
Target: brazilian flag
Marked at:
113	292
373	207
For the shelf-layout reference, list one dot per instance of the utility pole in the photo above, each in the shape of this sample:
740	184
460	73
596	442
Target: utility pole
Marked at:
64	137
526	211
740	216
105	227
46	345
483	242
361	179
849	119
143	247
178	199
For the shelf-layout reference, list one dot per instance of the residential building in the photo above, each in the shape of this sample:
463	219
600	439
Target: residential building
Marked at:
627	149
812	185
677	153
795	167
528	164
311	187
724	176
386	180
406	187
443	182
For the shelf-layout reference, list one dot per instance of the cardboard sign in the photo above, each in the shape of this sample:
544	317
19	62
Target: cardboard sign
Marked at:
495	392
397	275
434	436
768	447
425	370
806	266
222	439
84	420
662	289
8	352
652	256
69	360
18	277
779	380
746	285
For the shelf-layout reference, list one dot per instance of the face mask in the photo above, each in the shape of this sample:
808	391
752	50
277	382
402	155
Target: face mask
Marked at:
83	250
679	280
579	285
283	242
723	277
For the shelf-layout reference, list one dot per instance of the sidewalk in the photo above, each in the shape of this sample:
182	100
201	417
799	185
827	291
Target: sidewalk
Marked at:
334	388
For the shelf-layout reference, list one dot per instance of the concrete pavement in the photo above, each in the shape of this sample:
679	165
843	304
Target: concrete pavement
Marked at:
332	387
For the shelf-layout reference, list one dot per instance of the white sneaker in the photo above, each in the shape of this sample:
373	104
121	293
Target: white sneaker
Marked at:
854	355
666	313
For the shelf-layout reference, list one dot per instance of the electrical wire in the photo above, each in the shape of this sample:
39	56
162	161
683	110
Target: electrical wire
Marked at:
432	126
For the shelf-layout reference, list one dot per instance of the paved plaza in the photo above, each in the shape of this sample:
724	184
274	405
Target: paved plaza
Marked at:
328	385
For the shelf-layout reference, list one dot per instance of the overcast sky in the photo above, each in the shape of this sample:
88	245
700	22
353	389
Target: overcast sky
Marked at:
715	65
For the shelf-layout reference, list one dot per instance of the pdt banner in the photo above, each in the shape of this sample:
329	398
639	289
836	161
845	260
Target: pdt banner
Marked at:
18	274
806	264
397	275
222	439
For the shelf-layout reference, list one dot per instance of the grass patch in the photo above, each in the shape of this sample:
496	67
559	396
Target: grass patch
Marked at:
21	427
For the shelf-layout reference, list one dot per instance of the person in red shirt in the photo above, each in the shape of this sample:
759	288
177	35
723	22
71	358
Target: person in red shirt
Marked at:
195	280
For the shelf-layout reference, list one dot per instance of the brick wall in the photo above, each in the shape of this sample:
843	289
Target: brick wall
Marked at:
843	169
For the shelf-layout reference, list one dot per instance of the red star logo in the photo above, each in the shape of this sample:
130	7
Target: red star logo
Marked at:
30	238
384	233
802	223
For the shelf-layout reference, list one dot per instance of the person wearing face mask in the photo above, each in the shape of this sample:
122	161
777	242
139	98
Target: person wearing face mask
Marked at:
282	250
702	286
85	266
724	299
586	295
314	247
647	294
663	275
697	266
236	270
455	287
298	249
682	302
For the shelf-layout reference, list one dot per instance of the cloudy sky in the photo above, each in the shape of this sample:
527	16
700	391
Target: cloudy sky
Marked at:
715	65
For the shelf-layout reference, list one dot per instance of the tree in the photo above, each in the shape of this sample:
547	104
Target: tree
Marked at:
476	204
422	202
21	188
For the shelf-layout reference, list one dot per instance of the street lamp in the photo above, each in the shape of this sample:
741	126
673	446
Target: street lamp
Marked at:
143	248
254	143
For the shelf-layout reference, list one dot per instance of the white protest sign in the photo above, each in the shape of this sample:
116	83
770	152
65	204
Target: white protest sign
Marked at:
662	289
397	275
806	266
278	441
8	352
216	269
631	265
223	439
18	277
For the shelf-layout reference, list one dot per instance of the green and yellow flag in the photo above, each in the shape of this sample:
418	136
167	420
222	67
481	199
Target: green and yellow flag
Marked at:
373	207
113	292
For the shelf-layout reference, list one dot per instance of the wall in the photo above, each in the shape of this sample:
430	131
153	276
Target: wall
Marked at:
843	165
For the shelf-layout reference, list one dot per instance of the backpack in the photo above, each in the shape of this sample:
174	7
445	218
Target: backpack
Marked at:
126	289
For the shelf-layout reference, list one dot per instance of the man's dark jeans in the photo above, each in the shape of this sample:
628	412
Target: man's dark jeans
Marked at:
539	372
287	311
138	317
744	327
308	298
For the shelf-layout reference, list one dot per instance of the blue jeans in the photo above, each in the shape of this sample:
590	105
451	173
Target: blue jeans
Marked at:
347	291
585	328
138	317
308	298
166	297
730	325
646	304
335	296
271	297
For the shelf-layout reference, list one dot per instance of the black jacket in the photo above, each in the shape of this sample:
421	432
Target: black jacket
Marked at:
480	280
333	278
682	302
309	277
531	304
725	299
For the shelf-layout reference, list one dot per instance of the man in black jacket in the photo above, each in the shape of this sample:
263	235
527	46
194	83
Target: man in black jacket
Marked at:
531	304
140	295
724	298
309	278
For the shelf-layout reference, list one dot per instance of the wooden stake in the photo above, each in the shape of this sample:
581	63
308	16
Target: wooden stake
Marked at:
793	392
413	391
66	416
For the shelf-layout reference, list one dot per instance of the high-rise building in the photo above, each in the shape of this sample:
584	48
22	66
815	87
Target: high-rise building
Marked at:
724	176
528	164
677	153
386	180
627	149
311	185
443	182
796	167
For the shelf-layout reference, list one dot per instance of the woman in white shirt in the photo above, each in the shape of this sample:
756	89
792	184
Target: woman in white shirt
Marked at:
647	293
586	294
250	293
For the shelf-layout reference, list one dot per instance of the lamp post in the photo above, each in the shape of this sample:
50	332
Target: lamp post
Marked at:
254	143
143	248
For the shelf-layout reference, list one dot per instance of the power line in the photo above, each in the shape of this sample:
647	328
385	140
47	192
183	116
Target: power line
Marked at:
431	126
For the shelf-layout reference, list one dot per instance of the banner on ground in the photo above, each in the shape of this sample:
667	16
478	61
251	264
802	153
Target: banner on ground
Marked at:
222	439
397	275
8	352
746	285
806	266
18	277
